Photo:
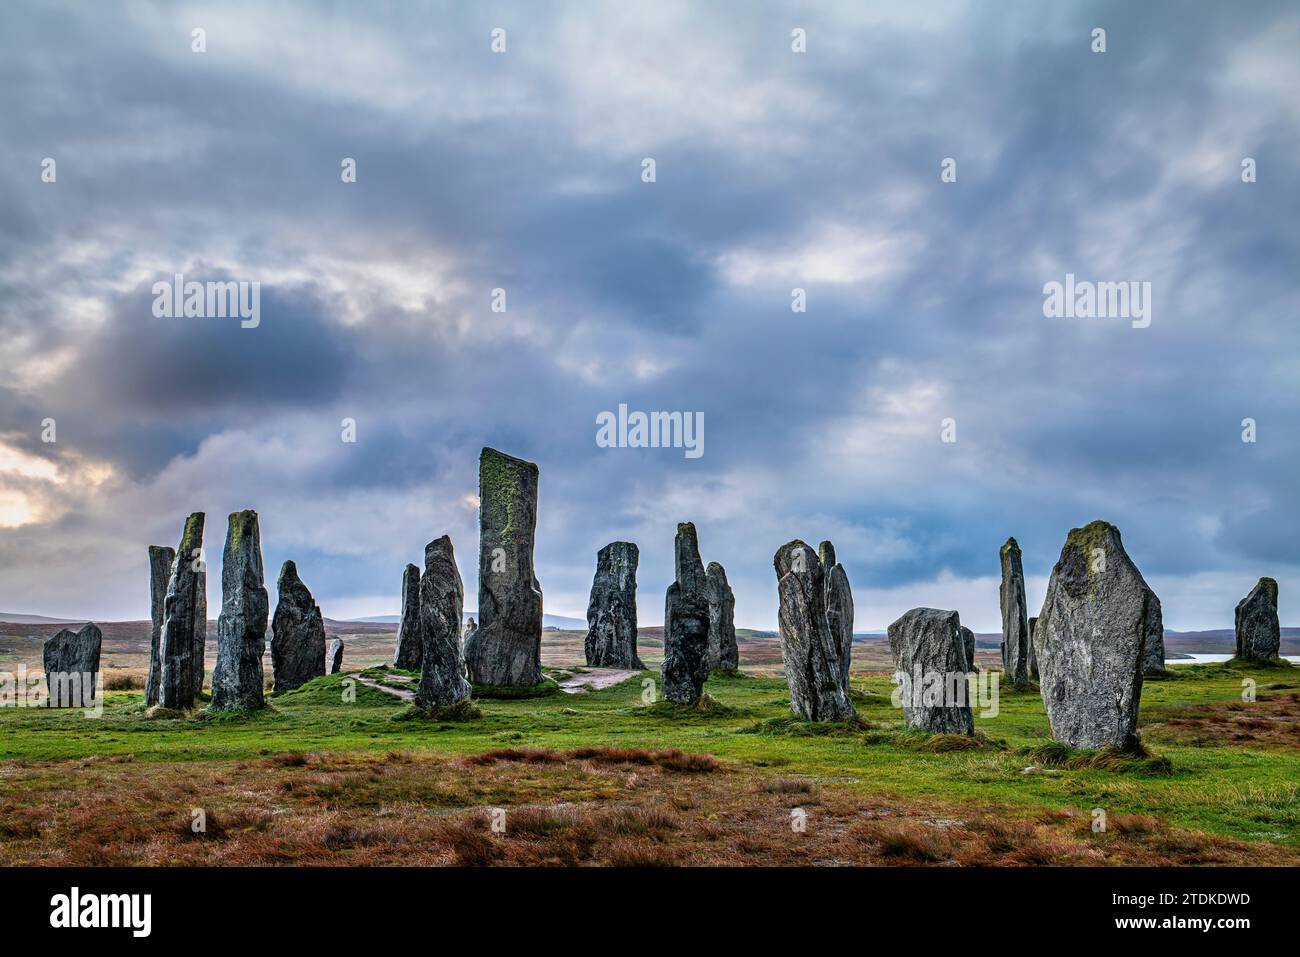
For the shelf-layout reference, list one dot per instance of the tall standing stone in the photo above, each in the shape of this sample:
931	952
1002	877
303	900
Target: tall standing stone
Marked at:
839	608
161	560
241	627
200	624
1015	626
1091	641
686	622
177	642
297	633
1259	636
442	601
71	661
1153	654
724	655
611	611
334	656
507	649
808	648
1033	652
931	666
407	655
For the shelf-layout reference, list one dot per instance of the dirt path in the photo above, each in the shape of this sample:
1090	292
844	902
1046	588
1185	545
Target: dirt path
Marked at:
594	679
406	694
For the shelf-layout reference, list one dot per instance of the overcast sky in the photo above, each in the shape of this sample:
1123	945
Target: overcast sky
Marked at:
522	170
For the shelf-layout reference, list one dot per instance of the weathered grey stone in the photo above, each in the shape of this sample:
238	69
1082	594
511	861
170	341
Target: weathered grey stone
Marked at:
1153	653
409	647
200	624
1091	638
1015	627
1033	652
1259	636
930	667
181	609
71	660
161	560
335	656
507	648
808	648
611	611
968	644
297	633
686	622
839	609
724	654
241	627
442	599
468	632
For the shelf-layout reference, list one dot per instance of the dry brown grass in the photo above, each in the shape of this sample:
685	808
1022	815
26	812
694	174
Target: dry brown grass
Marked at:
1271	721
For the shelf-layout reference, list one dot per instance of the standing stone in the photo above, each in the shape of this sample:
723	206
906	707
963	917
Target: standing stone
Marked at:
1091	638
930	667
507	648
724	655
1153	655
407	655
297	633
1015	627
180	614
1259	637
611	612
241	627
808	648
200	624
161	560
686	622
442	600
1033	652
71	660
839	609
968	643
335	656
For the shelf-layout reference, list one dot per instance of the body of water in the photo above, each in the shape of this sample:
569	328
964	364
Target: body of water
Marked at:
1200	659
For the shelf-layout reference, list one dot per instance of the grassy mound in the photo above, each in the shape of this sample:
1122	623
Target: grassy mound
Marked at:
1056	755
460	711
706	707
798	728
543	689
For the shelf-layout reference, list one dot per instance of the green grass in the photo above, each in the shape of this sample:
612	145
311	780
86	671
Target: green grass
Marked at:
1241	789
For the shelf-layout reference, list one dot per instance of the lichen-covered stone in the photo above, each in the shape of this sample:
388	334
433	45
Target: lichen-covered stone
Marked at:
409	647
161	560
297	633
1091	640
808	648
1259	637
839	609
686	622
611	611
1153	654
241	627
442	599
335	656
200	625
931	668
724	654
507	648
71	661
181	609
1015	627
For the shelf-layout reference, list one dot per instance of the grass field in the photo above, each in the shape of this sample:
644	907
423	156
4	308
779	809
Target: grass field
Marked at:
325	776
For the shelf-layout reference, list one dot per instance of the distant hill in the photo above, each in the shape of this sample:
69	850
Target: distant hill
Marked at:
16	619
548	621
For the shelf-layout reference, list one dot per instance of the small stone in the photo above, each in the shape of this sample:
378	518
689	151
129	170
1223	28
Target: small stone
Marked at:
443	679
409	648
297	633
611	611
335	656
71	660
930	666
1259	637
241	627
161	560
810	651
686	623
724	654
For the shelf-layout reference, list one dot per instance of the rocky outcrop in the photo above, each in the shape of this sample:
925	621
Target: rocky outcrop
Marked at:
808	648
686	623
839	608
611	611
182	606
442	598
297	633
407	654
334	657
1259	638
71	661
161	560
930	669
1091	641
724	654
241	627
507	648
1015	627
1153	653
